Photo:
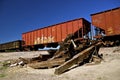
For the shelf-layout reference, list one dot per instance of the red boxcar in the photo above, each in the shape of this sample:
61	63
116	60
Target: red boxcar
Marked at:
56	33
108	20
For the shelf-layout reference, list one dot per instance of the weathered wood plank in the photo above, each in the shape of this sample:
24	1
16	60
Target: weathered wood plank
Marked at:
76	59
48	63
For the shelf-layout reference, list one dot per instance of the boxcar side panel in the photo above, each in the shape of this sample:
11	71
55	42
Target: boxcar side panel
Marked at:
59	33
49	34
70	27
75	26
36	37
26	39
80	23
29	38
39	40
64	28
99	20
42	35
54	38
109	21
32	37
45	35
116	14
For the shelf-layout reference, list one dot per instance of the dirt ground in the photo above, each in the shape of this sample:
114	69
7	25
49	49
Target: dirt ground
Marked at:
108	69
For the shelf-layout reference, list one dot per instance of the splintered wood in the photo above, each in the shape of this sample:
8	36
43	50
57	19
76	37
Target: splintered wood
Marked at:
78	58
48	63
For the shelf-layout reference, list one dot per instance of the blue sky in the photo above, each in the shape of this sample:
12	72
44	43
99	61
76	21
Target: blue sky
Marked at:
19	16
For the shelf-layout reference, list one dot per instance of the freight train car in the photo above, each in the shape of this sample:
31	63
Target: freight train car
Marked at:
11	46
108	25
50	36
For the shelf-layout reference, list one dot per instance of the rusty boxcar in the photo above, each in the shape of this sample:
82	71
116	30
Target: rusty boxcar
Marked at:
51	35
108	22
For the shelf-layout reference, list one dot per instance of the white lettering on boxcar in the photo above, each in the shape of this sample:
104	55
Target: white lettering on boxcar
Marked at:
42	39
